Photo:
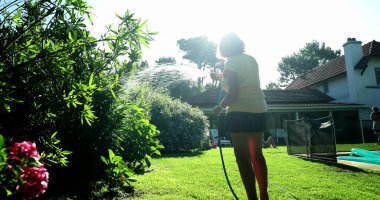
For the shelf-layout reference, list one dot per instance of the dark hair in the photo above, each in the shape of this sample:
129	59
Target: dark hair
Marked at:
376	109
231	45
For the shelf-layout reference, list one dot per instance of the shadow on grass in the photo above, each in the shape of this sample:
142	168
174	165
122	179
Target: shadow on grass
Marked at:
339	165
179	154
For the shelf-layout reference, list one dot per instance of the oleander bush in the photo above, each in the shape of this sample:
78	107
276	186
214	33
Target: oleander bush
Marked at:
59	88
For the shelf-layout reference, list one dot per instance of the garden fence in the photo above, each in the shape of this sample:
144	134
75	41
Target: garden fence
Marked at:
311	138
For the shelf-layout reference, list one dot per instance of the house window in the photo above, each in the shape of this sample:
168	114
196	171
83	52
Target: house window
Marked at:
377	74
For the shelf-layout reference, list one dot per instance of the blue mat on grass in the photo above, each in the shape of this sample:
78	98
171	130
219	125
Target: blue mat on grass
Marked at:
362	155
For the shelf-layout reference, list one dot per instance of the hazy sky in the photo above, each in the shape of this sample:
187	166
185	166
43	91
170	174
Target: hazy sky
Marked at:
271	29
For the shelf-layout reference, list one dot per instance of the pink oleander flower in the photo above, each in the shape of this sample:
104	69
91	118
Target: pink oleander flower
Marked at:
23	150
35	181
33	174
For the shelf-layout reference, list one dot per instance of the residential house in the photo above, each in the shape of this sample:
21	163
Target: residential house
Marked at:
345	88
353	78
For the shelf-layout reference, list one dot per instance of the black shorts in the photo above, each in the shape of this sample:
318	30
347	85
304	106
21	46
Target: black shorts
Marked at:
245	122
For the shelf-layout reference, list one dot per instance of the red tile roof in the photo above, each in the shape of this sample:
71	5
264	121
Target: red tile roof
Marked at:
303	96
372	48
335	67
369	50
296	96
323	72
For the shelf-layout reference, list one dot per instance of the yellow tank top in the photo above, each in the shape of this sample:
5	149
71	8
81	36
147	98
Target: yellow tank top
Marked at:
251	97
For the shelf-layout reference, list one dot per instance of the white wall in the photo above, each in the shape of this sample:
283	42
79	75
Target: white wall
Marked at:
369	96
338	88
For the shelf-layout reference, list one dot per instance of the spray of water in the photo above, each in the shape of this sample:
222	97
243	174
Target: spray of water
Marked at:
163	76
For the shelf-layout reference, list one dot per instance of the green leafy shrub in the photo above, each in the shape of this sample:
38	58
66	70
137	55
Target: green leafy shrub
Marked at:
118	173
135	138
182	128
56	77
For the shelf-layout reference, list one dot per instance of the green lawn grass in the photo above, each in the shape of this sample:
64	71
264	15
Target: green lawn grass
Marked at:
200	176
348	147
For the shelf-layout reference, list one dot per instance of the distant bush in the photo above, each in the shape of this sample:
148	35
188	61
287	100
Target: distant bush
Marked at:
181	126
184	89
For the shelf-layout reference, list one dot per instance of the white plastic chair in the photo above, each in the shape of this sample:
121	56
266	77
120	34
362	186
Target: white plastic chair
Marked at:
223	140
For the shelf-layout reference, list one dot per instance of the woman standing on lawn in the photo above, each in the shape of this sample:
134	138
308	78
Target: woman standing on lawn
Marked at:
246	113
375	117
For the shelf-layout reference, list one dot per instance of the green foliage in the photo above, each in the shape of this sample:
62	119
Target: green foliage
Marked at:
184	89
181	126
7	176
131	144
7	182
272	86
53	154
6	91
312	55
144	64
200	51
166	60
56	77
135	138
118	173
1	141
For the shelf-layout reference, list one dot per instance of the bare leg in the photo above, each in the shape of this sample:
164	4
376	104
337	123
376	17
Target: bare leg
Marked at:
259	164
270	142
377	136
242	152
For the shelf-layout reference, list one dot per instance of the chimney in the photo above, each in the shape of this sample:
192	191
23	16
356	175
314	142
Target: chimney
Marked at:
353	52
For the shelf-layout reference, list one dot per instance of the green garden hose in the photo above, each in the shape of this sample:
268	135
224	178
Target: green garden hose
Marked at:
219	99
224	169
